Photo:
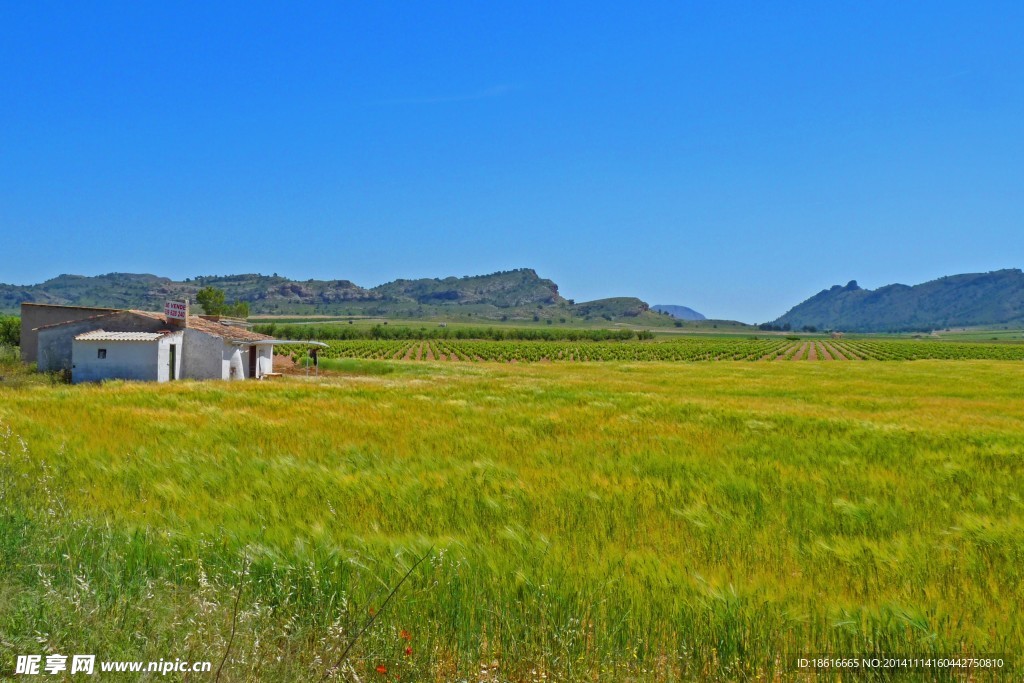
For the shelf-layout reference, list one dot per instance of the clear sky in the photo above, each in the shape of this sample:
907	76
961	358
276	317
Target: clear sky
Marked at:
735	157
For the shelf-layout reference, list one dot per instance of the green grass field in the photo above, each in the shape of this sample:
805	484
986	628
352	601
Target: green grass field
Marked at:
587	521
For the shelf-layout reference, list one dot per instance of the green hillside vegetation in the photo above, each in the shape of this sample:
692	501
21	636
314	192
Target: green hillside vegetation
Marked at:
617	307
506	296
506	289
976	299
148	292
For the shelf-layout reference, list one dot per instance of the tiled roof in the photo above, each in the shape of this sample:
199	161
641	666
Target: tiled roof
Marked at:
103	335
81	308
229	332
217	329
77	320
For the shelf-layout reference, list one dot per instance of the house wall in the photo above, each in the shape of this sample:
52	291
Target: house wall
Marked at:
236	362
54	345
264	360
202	356
125	360
37	315
206	356
163	362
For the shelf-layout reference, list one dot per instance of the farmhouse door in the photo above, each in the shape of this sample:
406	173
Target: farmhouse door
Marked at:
174	357
252	362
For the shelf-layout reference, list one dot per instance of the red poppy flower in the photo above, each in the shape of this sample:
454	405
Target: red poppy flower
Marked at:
404	635
381	669
408	651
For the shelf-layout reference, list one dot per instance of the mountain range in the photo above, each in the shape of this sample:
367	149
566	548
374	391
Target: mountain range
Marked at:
973	299
679	312
518	294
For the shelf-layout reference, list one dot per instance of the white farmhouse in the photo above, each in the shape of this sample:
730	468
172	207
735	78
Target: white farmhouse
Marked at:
141	345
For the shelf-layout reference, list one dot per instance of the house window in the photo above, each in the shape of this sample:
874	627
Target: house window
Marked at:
101	354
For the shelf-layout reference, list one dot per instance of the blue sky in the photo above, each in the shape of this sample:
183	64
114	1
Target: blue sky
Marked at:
733	157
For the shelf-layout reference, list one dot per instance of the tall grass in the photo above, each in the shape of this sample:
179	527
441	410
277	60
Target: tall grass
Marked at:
15	374
649	521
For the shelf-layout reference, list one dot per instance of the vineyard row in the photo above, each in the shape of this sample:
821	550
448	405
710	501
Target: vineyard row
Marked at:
676	350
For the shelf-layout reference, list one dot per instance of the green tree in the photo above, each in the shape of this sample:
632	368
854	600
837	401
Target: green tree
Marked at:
239	309
10	330
212	300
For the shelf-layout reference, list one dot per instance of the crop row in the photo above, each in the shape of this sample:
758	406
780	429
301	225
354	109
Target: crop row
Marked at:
933	350
675	350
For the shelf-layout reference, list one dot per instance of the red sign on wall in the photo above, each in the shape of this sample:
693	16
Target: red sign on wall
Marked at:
176	310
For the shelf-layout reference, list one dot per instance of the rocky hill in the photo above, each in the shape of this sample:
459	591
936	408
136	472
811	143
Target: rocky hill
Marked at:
974	299
616	307
518	294
505	289
149	292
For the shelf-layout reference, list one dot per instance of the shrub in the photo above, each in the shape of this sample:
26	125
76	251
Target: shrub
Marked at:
10	330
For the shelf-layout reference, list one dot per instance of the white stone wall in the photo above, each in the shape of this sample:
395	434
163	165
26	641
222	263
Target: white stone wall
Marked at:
135	360
203	356
264	360
164	357
236	362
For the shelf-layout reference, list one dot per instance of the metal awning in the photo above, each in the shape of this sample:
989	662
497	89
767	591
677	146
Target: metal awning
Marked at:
105	336
277	342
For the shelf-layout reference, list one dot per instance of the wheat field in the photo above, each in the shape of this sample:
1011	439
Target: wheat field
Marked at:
607	521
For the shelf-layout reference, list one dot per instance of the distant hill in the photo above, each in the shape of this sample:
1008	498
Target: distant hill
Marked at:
149	292
505	289
974	299
617	307
518	294
680	312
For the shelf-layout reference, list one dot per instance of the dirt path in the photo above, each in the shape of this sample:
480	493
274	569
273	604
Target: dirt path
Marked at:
285	365
785	353
799	355
825	355
430	351
836	354
849	353
813	353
